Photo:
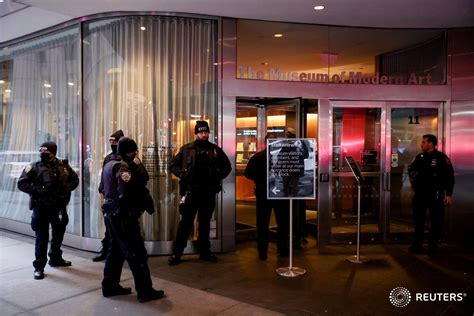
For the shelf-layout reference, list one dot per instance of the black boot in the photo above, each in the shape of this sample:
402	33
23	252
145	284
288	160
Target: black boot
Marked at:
116	291
150	295
208	256
100	257
174	260
59	263
38	274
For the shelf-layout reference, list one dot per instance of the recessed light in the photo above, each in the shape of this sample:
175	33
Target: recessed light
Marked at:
2	81
142	28
47	85
278	35
319	7
70	83
8	90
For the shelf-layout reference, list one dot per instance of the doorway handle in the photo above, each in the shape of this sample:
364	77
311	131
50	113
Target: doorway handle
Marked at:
387	181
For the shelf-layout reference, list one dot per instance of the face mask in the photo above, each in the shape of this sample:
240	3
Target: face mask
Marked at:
44	157
114	148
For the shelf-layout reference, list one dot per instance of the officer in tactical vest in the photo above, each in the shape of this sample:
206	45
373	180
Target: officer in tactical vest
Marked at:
49	183
126	197
432	177
113	140
201	166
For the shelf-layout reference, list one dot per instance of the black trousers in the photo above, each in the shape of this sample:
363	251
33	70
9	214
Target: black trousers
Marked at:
282	215
40	221
105	240
126	243
436	208
203	204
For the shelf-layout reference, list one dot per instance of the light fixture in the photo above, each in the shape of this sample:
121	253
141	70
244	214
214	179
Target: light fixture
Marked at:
142	28
8	90
319	7
70	83
278	35
47	85
2	81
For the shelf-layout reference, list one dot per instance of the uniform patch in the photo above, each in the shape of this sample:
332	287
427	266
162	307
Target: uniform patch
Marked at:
28	168
125	176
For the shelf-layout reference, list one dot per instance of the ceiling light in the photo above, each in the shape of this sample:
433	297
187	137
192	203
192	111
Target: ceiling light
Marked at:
70	83
142	28
8	90
278	35
47	85
2	81
319	7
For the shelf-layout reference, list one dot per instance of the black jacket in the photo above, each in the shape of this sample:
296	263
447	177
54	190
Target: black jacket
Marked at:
432	173
256	170
201	166
48	184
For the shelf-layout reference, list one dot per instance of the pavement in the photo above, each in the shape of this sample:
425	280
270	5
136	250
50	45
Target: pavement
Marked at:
241	284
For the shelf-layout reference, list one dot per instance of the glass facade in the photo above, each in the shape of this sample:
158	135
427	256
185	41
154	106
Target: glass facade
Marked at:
40	100
151	76
331	54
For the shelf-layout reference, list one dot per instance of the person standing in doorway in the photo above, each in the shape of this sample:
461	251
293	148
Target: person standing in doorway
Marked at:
432	177
201	166
256	170
49	182
113	140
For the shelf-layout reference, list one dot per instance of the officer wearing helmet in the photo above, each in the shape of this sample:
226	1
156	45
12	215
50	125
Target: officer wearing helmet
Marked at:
201	166
49	183
124	191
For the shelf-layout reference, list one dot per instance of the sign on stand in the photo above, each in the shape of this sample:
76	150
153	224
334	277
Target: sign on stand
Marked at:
291	171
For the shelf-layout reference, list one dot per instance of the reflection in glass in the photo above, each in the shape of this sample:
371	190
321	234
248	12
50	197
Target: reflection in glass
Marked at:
37	105
356	133
406	139
152	83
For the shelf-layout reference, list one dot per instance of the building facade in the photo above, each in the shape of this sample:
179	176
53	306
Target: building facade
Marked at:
362	92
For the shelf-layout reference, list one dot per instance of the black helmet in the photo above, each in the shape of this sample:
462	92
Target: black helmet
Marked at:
126	145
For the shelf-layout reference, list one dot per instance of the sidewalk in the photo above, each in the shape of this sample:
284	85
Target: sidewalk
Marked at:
240	284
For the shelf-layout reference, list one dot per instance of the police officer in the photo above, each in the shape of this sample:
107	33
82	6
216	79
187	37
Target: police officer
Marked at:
201	166
49	183
256	170
124	190
113	140
432	177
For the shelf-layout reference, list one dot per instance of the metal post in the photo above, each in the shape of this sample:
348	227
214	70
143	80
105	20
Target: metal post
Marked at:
357	258
291	271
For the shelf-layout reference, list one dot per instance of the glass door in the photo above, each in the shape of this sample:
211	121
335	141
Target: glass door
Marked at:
408	123
255	117
357	131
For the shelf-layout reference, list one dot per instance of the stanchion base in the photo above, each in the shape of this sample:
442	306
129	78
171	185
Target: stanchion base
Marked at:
353	259
291	273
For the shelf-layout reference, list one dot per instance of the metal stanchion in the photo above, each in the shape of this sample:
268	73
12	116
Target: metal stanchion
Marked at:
357	258
291	271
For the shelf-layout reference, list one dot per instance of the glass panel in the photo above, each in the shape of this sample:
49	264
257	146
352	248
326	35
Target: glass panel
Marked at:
356	133
388	56
247	141
408	127
152	77
311	131
40	98
302	48
316	53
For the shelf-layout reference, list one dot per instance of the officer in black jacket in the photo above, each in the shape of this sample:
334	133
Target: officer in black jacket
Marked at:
201	166
256	170
49	183
113	140
125	190
432	177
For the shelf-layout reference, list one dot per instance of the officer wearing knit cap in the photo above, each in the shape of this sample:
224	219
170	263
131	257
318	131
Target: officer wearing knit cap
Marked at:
113	140
201	166
201	126
124	195
49	183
